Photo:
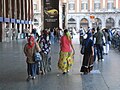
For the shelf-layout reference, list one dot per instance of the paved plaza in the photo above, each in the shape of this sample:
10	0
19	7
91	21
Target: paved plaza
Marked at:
105	75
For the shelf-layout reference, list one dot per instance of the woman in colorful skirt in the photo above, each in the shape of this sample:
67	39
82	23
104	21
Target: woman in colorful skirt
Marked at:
66	52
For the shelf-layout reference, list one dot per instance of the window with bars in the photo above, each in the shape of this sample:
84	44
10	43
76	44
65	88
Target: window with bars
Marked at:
96	6
71	6
110	5
84	6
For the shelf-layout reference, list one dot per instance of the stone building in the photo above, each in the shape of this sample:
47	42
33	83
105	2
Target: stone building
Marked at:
15	17
37	22
92	13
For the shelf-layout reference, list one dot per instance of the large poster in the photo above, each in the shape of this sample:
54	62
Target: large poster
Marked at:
51	13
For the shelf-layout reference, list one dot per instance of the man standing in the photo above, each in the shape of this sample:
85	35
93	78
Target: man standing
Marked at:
81	34
99	43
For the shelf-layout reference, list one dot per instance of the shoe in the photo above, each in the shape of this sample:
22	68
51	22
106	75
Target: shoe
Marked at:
28	79
49	69
43	73
64	73
68	71
102	59
33	77
98	60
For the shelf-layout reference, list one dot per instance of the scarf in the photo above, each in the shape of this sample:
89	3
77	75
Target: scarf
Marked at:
31	42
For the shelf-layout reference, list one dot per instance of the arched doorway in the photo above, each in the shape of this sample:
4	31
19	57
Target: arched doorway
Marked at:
110	23
71	23
97	23
84	23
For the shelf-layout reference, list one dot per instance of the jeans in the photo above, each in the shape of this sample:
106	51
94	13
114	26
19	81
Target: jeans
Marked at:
99	51
31	69
46	62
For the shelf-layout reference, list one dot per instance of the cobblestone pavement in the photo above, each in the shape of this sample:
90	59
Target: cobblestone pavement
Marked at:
105	76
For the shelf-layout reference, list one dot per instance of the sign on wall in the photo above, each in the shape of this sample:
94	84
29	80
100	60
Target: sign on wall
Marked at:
51	13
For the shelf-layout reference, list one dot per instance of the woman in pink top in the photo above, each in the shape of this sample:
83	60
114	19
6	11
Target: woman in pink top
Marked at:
66	52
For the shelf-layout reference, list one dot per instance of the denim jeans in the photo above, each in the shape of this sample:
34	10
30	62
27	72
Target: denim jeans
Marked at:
99	51
31	69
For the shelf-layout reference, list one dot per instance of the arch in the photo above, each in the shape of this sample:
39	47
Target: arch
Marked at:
71	23
97	22
110	23
71	19
84	23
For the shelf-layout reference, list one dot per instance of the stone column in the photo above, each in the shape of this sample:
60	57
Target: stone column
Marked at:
13	11
25	1
28	11
1	15
22	16
31	15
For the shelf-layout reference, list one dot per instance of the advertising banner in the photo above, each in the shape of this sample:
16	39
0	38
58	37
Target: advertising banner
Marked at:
51	14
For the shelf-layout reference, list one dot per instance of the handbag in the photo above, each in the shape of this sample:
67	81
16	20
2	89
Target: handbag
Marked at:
37	57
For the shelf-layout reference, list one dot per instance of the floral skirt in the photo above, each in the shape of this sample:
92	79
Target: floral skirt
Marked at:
65	61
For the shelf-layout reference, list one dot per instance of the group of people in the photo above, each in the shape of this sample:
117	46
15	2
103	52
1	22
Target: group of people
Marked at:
42	45
93	46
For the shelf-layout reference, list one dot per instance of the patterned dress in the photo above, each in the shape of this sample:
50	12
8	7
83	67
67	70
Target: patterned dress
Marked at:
66	57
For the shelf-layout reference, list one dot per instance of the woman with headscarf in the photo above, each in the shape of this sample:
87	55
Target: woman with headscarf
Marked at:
29	49
66	49
87	63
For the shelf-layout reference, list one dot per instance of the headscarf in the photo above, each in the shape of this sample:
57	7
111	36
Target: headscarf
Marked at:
31	42
89	35
67	34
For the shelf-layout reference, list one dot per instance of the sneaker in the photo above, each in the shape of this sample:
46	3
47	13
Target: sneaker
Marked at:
33	77
64	73
43	73
29	77
102	59
68	71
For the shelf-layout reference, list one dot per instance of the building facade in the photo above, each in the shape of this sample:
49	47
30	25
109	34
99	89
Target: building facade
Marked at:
15	17
92	13
38	24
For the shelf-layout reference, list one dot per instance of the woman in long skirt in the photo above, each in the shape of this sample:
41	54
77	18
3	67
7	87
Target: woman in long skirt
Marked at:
87	64
66	52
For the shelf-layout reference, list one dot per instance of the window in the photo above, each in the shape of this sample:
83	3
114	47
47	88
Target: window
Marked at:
71	6
110	5
96	6
84	6
35	6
